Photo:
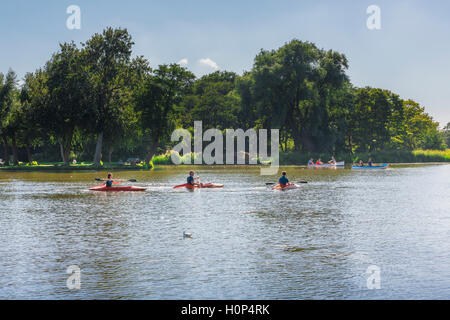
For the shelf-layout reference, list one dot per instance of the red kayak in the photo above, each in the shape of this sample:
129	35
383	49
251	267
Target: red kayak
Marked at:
201	186
104	188
287	187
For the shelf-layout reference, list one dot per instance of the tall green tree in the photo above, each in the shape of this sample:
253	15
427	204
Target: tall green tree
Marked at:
69	104
108	57
7	88
158	102
293	89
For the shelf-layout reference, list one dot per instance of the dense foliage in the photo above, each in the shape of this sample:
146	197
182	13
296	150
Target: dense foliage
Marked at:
94	100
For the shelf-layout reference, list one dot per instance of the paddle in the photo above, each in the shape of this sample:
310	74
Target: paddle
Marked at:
272	183
131	180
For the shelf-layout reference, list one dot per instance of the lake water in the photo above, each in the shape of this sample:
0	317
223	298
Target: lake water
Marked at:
248	242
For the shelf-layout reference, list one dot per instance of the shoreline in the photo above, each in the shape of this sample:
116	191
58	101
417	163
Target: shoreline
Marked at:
58	168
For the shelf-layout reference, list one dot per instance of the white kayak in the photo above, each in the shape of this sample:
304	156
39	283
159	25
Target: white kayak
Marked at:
328	165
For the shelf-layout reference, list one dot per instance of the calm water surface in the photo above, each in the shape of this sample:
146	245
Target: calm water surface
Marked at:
248	242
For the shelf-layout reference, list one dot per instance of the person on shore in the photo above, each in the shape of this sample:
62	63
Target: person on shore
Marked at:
311	162
370	162
283	181
319	162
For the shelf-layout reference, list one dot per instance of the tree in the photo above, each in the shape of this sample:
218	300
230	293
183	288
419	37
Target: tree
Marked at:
33	98
7	87
108	56
212	101
415	125
293	89
446	134
69	102
158	99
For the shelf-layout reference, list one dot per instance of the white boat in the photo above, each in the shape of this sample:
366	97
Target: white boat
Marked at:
381	167
328	165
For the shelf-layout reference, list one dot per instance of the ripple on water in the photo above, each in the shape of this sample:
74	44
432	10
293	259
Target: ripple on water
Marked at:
249	242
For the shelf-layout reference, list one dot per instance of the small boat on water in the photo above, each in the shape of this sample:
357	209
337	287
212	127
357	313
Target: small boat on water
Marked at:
381	167
199	186
116	189
328	165
290	186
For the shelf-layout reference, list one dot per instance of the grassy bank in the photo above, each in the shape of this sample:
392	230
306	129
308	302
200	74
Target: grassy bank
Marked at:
300	158
397	156
289	158
84	166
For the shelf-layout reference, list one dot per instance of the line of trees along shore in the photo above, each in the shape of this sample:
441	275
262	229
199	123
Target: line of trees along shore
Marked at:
95	100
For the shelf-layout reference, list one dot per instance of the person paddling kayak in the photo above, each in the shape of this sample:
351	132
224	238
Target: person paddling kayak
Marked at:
370	162
311	162
191	180
191	184
109	181
283	181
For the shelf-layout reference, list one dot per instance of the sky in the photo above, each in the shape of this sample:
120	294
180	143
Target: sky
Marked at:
409	55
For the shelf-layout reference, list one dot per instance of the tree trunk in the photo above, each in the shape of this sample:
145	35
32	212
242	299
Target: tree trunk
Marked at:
14	149
5	150
67	154
151	152
98	150
63	154
110	151
29	154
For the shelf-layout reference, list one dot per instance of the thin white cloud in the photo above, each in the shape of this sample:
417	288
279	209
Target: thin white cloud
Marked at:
183	62
209	63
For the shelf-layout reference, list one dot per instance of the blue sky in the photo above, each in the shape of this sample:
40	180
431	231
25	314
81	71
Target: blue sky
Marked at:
410	55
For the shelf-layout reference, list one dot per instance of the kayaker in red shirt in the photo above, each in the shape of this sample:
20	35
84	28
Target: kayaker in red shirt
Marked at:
319	162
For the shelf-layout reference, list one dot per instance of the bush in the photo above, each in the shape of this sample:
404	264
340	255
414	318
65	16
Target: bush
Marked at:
432	155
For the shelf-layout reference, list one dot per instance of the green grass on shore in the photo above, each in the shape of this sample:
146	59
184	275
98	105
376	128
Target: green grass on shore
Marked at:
59	166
